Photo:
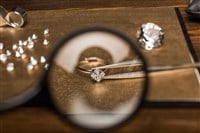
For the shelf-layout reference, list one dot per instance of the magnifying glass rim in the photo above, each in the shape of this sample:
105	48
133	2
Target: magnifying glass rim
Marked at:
25	96
117	33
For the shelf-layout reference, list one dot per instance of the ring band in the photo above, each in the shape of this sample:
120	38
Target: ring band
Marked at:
14	18
87	64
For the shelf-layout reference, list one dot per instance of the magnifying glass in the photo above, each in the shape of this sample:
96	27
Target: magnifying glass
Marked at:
77	98
84	102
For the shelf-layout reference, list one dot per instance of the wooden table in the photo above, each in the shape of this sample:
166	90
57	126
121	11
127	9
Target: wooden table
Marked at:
34	119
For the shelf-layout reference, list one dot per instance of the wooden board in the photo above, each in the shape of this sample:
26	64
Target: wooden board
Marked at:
148	120
171	86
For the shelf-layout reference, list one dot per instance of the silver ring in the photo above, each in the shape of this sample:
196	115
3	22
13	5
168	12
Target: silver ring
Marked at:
15	18
89	63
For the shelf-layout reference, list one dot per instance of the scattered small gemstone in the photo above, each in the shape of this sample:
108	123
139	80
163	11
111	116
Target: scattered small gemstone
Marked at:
8	53
34	37
46	31
33	61
10	67
45	42
30	45
20	50
23	56
30	67
3	58
46	66
20	43
29	39
42	59
1	46
17	54
25	43
14	47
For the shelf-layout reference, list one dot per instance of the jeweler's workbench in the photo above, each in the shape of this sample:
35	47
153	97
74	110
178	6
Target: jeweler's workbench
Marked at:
26	119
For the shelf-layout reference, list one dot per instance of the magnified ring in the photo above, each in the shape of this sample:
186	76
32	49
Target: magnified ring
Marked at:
87	64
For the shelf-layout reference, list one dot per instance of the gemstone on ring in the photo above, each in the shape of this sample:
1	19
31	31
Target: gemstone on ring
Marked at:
97	75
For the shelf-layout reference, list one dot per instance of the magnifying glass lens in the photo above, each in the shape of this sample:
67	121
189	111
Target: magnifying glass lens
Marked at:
74	85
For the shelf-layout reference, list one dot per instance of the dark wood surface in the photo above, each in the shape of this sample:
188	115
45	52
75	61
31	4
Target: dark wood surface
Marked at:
60	4
32	119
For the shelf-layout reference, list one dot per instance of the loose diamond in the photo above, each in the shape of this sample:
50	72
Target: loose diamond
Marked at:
30	67
34	37
42	59
3	58
17	54
97	75
8	53
33	61
1	46
20	50
45	42
29	39
14	47
25	43
23	56
10	67
46	66
46	31
20	43
30	45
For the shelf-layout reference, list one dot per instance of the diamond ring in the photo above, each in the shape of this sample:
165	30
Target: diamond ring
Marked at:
97	67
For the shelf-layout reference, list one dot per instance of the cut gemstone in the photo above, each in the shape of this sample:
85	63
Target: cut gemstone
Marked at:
46	66
8	53
34	37
10	67
30	67
1	46
17	54
42	59
14	47
33	61
97	75
30	45
20	50
3	58
46	31
20	43
45	42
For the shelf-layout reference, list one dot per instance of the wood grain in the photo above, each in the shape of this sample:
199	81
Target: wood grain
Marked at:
61	4
151	120
193	28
